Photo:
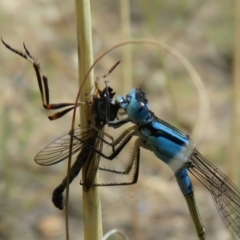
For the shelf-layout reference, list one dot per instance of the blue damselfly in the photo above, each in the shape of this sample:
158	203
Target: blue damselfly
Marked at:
176	149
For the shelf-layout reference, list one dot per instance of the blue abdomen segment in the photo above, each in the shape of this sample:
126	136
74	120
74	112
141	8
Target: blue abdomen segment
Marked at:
184	181
168	131
171	146
168	149
168	143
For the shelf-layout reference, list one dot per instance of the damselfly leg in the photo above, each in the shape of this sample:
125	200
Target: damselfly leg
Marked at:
133	163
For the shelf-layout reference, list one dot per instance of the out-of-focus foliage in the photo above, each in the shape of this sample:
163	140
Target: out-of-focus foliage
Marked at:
203	31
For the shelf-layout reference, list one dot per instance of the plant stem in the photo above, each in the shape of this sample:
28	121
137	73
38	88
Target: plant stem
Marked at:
91	199
234	151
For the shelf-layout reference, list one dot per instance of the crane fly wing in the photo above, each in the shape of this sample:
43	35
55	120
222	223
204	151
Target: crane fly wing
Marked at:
58	150
225	193
93	163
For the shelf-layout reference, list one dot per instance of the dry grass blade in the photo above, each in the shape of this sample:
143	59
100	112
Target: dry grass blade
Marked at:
194	76
91	199
113	232
234	151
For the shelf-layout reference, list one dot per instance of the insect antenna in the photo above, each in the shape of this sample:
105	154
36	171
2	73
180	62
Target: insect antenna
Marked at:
141	86
111	69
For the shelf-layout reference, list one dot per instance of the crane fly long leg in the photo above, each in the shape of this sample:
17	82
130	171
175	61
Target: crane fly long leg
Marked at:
225	194
103	109
85	156
44	90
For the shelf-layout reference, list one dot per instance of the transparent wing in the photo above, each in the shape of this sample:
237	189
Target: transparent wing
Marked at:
93	163
58	150
225	194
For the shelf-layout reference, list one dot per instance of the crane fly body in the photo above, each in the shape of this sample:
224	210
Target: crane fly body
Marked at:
101	108
58	150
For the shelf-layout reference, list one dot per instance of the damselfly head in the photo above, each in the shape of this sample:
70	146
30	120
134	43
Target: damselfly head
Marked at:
135	94
140	95
136	105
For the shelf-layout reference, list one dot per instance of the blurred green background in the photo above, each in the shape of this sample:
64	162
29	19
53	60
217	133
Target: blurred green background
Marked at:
203	31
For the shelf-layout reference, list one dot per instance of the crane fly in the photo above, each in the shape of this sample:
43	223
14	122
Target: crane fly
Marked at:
101	109
94	135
